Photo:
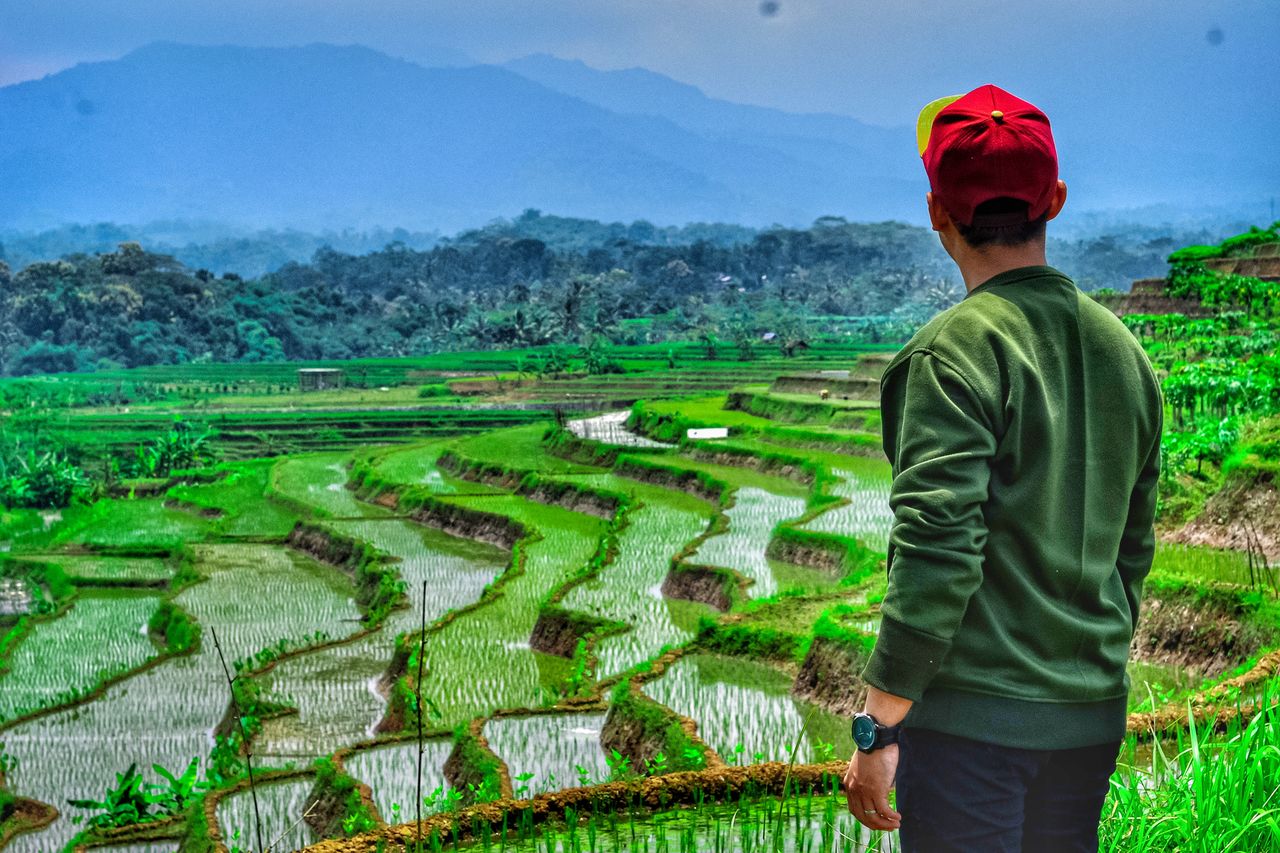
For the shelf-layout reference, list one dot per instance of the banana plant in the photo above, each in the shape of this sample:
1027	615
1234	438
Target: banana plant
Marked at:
180	791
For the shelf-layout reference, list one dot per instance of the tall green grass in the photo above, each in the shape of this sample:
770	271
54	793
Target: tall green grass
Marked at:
1203	792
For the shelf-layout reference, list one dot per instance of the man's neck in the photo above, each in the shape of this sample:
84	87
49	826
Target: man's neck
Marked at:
978	266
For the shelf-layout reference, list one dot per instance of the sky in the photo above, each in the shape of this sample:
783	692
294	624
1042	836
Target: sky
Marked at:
1195	77
878	61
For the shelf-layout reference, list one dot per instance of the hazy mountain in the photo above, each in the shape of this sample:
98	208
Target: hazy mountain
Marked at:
1181	182
324	136
828	141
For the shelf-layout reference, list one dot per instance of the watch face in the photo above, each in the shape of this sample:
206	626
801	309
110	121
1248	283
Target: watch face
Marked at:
864	732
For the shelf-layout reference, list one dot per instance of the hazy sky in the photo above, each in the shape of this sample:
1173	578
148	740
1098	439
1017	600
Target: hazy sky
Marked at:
1173	62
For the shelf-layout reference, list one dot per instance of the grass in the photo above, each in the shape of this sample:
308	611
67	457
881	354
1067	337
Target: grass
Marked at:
54	664
331	688
764	718
1202	792
281	804
627	589
550	751
143	523
256	596
521	447
751	521
391	774
241	497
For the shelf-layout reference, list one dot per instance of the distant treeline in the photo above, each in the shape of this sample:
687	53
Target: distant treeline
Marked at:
528	281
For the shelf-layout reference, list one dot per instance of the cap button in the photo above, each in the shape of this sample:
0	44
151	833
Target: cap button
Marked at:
998	116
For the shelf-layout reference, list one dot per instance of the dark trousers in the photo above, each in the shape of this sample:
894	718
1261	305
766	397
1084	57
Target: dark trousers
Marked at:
958	795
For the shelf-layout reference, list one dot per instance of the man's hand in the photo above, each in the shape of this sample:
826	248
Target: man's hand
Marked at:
866	786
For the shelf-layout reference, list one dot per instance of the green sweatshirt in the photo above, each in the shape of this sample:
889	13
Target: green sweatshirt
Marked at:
1023	427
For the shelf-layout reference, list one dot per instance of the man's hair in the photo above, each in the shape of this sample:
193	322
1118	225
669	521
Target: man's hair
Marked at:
1018	233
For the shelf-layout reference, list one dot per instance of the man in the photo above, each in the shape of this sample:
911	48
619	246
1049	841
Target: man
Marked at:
1023	427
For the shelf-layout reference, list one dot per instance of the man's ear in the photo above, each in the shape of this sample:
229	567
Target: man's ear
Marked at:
939	219
1059	199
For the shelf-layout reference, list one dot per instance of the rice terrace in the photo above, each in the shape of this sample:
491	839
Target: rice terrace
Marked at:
506	593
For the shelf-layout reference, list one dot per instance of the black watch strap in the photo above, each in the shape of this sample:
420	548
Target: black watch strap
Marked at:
884	735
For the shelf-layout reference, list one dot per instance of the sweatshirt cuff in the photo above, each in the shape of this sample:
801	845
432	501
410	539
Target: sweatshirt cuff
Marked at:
904	660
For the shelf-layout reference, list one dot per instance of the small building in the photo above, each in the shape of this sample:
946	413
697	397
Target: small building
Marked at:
15	597
319	378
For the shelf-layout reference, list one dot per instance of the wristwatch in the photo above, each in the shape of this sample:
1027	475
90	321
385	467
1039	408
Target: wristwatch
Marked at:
869	735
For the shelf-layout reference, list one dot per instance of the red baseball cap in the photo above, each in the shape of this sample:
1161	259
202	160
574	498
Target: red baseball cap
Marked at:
984	145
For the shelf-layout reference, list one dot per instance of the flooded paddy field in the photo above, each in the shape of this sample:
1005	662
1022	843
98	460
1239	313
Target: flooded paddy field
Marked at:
540	604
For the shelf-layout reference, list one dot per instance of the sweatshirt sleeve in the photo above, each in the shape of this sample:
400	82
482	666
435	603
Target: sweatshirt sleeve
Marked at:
940	443
1138	541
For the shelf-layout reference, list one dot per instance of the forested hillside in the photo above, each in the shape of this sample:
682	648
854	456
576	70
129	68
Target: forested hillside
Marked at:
529	281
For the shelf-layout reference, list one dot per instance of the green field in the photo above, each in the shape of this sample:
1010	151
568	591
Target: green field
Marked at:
523	577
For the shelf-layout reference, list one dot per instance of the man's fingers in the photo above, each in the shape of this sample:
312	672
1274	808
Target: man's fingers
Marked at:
877	818
881	805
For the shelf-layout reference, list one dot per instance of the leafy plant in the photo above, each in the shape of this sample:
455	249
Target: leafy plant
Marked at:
179	791
125	803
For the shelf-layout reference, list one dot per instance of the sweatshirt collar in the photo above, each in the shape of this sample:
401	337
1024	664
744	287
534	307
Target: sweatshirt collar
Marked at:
1016	275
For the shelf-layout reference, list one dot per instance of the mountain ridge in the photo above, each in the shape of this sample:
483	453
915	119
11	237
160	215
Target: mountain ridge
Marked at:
346	135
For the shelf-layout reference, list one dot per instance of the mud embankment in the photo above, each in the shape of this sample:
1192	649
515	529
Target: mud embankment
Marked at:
710	585
828	677
1246	510
334	797
843	388
696	787
641	729
558	631
1204	630
1148	296
472	766
559	493
812	551
680	480
466	523
27	816
209	512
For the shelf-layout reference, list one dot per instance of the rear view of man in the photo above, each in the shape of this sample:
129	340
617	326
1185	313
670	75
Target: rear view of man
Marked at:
1023	427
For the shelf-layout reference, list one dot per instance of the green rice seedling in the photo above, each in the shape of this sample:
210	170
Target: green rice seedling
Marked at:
103	634
1152	685
751	521
550	751
241	496
745	710
93	569
319	480
282	806
118	523
335	689
391	774
1195	563
866	516
151	847
628	589
415	466
520	447
809	821
481	660
256	596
